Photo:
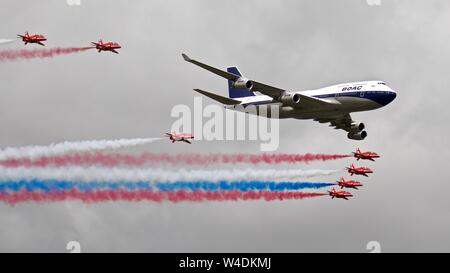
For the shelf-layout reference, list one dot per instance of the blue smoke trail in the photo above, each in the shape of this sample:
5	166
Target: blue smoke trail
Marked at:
240	185
54	185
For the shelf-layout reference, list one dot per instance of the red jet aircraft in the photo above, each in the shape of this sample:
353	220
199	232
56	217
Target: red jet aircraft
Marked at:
349	184
109	46
180	137
359	170
33	39
339	194
365	155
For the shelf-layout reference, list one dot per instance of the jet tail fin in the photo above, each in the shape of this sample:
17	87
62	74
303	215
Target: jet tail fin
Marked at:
223	100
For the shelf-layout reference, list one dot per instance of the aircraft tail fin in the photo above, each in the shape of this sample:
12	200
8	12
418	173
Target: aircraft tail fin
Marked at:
237	92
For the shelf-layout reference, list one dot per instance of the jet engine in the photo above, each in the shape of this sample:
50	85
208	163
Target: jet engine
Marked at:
243	83
357	136
356	127
290	99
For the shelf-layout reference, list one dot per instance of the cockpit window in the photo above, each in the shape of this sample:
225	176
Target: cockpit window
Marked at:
382	83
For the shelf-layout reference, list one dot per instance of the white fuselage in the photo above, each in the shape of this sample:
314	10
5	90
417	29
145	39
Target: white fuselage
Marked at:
342	98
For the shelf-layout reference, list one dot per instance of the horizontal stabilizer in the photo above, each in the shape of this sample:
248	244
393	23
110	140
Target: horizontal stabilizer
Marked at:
223	100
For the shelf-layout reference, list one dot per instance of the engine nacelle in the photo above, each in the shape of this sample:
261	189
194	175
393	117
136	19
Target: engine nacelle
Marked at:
357	127
357	136
243	83
290	99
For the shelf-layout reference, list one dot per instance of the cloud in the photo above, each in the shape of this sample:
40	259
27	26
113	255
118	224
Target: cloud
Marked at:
292	44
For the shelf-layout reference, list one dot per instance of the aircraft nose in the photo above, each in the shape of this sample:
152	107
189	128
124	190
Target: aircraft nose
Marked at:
390	96
386	96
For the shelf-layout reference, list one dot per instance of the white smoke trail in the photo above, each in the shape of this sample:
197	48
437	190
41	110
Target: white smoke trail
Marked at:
32	152
100	174
7	41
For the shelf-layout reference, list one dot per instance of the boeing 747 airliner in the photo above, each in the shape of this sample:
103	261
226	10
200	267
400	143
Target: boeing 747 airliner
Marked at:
332	104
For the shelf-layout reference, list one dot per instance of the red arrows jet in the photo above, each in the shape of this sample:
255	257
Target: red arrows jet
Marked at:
180	137
359	170
109	46
350	184
339	194
32	39
365	155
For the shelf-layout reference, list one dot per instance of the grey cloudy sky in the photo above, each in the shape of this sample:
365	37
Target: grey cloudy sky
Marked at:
291	44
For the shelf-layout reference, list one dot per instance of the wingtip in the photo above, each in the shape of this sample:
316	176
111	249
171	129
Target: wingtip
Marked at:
186	57
200	91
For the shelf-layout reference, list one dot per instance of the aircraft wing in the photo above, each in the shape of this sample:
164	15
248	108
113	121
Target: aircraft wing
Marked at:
306	101
223	100
265	89
225	74
343	121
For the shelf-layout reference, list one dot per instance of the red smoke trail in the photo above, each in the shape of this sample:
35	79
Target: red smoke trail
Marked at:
111	160
12	55
156	196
